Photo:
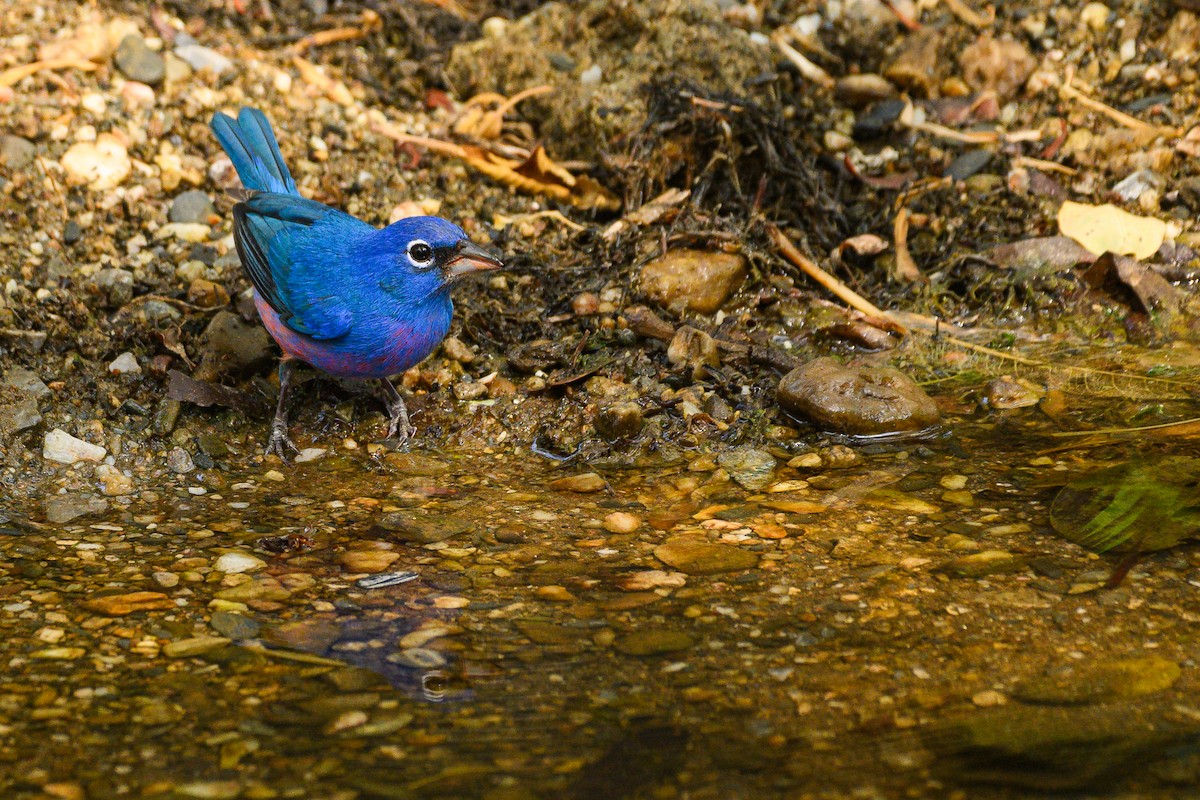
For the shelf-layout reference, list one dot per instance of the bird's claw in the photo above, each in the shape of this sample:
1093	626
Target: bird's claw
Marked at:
280	443
400	429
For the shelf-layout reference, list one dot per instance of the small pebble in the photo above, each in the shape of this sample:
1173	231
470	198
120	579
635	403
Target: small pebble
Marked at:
125	364
236	563
622	522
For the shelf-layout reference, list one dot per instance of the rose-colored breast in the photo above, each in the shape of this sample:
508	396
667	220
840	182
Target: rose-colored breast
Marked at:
371	354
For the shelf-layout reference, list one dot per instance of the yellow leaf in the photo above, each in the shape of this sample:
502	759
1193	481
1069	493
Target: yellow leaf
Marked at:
1108	229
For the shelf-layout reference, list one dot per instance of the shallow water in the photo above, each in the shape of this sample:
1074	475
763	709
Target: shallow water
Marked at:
897	620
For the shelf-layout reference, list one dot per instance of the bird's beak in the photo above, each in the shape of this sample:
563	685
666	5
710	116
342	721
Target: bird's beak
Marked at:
469	258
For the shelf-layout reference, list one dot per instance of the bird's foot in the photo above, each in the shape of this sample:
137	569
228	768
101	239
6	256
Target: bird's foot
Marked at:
399	428
280	443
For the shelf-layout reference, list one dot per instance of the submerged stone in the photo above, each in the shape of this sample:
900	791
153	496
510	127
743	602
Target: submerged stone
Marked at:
695	556
750	467
653	642
860	401
1102	681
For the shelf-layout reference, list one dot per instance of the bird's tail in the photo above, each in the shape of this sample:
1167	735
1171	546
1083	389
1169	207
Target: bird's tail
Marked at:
250	144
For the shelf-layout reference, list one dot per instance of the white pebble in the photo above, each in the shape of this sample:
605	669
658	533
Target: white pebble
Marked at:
64	448
101	164
124	364
235	562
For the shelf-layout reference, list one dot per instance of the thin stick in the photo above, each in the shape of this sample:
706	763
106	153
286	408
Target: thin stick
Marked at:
809	268
807	68
14	75
1071	93
1043	165
1139	429
906	267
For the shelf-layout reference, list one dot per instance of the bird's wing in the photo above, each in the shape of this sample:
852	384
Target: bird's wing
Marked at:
294	251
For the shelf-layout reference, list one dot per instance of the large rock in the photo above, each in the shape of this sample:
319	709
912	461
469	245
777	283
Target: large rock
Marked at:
860	401
693	280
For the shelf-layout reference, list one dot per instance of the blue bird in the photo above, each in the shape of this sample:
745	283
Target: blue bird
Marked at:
334	292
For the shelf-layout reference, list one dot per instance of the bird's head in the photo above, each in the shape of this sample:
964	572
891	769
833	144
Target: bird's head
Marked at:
434	251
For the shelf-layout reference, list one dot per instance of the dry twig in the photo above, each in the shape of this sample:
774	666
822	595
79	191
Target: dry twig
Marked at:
370	22
14	75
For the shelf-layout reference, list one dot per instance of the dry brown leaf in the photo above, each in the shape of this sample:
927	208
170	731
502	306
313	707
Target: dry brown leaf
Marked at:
487	123
1108	229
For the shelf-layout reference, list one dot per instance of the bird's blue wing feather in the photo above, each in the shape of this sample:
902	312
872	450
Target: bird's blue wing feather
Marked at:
293	250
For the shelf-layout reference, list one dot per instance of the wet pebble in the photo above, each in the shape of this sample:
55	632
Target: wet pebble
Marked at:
66	507
27	381
653	642
749	467
696	556
856	400
417	465
207	294
693	280
622	522
584	483
180	461
987	562
63	448
402	528
114	285
119	605
367	560
458	350
1101	681
197	645
235	626
418	658
310	454
619	421
138	62
236	562
113	482
647	580
209	790
232	345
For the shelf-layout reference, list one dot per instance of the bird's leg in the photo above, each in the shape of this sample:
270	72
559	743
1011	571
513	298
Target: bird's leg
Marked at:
279	443
398	424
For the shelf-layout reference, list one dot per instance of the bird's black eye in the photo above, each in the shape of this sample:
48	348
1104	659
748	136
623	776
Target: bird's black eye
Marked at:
420	253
